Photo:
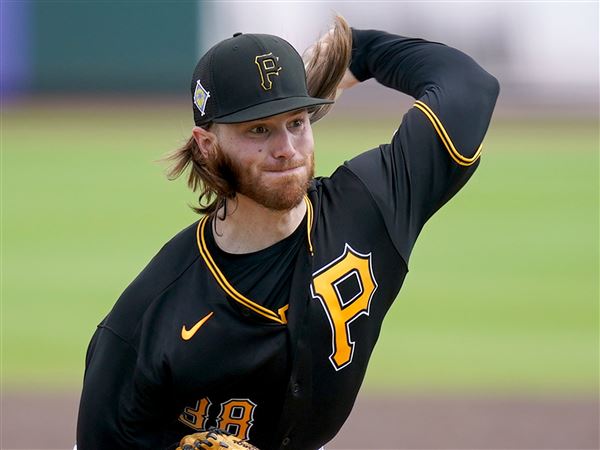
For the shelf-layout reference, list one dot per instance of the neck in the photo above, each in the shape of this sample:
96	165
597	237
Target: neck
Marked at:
249	226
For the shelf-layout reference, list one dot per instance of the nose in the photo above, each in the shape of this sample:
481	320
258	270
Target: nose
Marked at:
283	145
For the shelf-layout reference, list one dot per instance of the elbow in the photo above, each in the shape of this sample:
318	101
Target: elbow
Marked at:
492	86
474	107
487	85
477	96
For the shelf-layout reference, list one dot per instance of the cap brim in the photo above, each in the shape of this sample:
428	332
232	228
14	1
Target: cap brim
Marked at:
271	108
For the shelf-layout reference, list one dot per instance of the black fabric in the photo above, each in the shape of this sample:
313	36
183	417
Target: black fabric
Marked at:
413	176
263	276
248	77
146	385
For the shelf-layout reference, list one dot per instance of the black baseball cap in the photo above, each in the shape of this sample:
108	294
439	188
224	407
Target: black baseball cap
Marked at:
248	77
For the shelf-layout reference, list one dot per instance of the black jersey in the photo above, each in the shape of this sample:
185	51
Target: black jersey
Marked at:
184	349
264	275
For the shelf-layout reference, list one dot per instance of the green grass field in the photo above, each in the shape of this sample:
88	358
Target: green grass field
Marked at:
502	294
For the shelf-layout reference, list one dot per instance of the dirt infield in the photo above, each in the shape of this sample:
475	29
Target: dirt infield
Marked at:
401	422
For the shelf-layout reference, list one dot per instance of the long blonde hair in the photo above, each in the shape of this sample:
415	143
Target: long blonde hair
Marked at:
325	66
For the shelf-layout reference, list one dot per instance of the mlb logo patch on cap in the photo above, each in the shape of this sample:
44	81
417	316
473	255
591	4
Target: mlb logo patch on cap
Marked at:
201	95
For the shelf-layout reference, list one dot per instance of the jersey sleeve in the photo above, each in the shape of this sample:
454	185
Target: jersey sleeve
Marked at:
438	144
121	407
128	397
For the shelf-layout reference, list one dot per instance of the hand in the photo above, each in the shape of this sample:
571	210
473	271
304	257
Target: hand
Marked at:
326	63
347	82
321	48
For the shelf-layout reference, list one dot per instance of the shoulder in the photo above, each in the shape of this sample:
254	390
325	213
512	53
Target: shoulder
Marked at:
166	267
343	194
346	181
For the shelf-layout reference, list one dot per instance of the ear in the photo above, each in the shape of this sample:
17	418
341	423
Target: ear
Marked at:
205	139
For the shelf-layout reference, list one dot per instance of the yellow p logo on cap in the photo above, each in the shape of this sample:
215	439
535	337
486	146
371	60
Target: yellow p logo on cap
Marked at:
267	67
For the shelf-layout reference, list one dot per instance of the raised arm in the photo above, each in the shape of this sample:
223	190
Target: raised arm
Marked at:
437	146
445	81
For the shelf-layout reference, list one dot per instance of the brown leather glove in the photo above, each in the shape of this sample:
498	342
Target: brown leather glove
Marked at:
214	439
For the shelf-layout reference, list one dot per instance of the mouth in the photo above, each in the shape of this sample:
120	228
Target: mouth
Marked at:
285	170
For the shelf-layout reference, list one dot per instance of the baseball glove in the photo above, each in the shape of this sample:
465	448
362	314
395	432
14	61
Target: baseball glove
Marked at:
214	439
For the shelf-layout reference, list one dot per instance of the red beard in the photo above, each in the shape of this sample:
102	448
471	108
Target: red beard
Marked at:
284	193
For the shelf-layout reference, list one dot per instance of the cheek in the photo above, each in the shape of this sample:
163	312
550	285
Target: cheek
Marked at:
251	160
305	144
244	152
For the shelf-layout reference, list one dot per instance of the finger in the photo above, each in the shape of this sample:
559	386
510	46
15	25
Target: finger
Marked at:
348	80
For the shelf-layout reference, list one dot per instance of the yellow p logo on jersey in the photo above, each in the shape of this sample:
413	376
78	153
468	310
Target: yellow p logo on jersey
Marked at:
343	311
268	66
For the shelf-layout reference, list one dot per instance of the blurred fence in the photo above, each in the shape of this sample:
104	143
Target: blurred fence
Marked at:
92	47
544	53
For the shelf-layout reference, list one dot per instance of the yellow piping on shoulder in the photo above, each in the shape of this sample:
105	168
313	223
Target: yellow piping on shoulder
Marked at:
441	131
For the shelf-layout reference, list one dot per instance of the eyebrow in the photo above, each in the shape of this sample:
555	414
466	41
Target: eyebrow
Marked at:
266	120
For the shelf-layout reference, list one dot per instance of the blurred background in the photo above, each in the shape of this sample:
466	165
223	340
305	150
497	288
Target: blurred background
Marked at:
493	341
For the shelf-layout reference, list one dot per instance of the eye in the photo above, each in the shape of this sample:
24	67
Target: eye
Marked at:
259	129
296	123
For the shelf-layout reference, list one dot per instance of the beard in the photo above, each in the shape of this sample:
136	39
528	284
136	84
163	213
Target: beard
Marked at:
282	194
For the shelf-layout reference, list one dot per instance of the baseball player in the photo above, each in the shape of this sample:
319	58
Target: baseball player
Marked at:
260	318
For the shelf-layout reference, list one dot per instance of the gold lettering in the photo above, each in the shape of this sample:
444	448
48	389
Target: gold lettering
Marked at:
236	417
195	417
341	312
267	68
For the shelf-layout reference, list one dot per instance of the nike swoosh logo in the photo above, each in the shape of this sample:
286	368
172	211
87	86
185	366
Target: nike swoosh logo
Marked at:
186	335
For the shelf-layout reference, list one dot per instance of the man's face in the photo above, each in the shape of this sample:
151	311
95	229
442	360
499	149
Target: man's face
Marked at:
271	159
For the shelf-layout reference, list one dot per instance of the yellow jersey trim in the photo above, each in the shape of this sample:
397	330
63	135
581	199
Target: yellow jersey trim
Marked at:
441	131
227	287
309	222
283	312
280	315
